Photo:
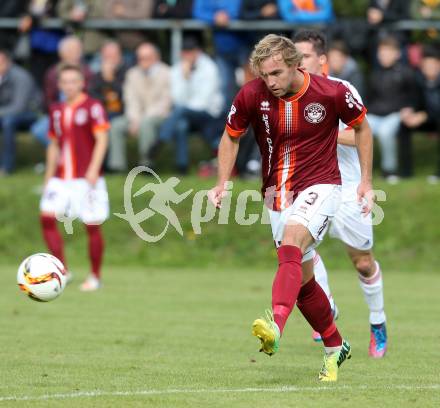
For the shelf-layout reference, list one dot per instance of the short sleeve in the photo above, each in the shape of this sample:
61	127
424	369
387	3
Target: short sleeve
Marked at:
350	109
98	118
238	118
54	115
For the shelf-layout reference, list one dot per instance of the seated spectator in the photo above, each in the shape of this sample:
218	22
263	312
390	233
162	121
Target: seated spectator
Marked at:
306	11
425	115
341	65
180	9
43	42
232	49
391	88
106	85
197	102
259	10
70	51
19	100
147	101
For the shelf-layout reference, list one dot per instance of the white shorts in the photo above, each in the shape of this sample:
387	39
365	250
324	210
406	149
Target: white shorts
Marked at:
76	198
314	208
351	227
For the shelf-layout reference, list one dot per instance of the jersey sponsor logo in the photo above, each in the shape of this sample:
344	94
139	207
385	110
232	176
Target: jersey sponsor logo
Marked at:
265	119
314	112
351	102
81	117
233	111
265	106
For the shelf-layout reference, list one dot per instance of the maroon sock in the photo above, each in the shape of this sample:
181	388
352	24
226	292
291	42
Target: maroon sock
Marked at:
96	248
315	307
53	238
287	283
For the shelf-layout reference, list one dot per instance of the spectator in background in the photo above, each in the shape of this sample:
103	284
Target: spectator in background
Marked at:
147	100
77	11
259	10
385	11
306	11
179	9
197	102
231	48
425	9
343	66
106	85
70	51
19	100
391	88
43	42
424	116
11	9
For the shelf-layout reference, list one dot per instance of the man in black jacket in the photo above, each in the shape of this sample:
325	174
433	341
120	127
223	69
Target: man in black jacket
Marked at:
424	116
391	88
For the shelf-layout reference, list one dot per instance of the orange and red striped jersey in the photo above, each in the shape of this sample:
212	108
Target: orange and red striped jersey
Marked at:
75	127
297	136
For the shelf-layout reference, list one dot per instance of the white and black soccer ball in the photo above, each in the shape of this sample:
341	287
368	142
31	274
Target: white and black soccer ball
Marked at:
42	277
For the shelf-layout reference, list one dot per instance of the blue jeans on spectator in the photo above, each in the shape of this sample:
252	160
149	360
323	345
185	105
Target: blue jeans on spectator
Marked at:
385	128
9	125
178	126
40	130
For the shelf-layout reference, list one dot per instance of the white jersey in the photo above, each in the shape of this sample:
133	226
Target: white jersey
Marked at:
348	156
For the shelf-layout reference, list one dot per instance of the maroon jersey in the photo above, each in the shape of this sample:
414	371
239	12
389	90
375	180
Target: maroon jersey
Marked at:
75	126
297	136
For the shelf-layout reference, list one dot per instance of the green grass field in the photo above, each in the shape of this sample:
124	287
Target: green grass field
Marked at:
171	327
161	337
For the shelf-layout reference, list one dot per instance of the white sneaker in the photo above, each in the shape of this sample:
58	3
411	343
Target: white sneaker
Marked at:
392	179
433	179
69	277
90	284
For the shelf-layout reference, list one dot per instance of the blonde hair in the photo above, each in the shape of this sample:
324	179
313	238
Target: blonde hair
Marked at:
272	45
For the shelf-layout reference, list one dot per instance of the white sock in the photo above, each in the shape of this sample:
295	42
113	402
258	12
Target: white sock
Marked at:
322	278
373	293
331	350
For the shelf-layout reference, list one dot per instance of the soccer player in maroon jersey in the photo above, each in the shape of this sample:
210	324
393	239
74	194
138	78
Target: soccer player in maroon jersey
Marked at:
295	117
74	186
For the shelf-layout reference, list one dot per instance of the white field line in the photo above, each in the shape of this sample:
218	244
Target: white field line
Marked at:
286	389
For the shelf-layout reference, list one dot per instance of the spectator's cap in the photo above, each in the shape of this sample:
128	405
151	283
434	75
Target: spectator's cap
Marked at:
190	43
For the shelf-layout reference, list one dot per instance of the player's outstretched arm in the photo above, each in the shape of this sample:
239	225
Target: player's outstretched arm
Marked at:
52	155
364	144
227	155
98	156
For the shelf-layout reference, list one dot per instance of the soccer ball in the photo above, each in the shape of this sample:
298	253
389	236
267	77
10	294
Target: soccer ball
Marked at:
42	277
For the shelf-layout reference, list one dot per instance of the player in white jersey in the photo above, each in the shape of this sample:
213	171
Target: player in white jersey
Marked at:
349	224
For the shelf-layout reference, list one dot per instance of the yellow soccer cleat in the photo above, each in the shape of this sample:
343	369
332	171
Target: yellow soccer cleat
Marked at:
268	333
329	370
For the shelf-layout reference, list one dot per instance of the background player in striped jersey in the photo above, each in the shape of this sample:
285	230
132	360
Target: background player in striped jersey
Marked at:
74	186
349	225
295	119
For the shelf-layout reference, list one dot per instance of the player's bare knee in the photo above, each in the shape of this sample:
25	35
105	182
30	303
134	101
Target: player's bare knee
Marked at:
365	265
297	235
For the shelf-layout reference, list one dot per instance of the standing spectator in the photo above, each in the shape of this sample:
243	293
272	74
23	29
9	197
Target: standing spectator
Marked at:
43	42
425	115
259	10
77	11
70	51
147	100
425	9
385	11
391	88
19	99
106	85
343	66
306	11
195	106
179	9
231	48
11	9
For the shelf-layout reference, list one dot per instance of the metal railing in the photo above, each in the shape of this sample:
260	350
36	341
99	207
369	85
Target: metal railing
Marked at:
177	27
